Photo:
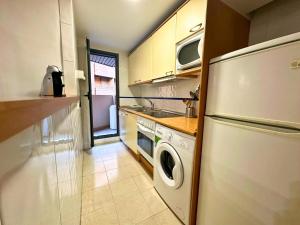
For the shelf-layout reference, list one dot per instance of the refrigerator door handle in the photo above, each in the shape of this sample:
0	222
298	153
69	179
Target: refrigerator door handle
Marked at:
257	126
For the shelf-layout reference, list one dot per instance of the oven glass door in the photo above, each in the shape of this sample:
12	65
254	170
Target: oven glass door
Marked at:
145	143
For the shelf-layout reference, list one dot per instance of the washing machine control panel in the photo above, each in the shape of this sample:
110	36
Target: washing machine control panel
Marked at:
175	138
164	133
169	136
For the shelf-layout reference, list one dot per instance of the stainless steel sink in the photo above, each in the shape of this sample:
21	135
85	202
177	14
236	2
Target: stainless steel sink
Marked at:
138	109
155	113
161	114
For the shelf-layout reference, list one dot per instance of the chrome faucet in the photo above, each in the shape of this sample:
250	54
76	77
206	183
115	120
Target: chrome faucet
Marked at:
152	104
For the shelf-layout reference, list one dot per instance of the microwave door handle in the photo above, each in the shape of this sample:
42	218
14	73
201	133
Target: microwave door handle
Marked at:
178	64
179	48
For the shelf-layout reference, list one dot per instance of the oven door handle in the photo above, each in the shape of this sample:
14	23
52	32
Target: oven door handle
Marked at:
145	129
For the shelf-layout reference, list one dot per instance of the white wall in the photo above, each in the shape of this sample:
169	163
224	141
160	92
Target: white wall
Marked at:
40	183
30	40
68	47
279	18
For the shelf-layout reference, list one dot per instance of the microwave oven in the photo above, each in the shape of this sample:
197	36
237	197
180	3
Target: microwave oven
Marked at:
189	52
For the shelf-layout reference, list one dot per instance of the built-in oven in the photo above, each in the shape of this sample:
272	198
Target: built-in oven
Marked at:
146	138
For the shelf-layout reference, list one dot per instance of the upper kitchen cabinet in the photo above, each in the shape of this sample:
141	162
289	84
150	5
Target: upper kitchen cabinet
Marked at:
163	49
134	65
190	19
146	60
140	63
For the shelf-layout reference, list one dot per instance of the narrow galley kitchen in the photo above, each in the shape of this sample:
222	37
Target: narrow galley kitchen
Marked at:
149	112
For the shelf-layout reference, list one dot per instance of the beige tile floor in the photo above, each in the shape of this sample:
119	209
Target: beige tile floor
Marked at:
117	191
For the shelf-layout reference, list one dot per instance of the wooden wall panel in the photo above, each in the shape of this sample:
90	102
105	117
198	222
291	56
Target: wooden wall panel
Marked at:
225	31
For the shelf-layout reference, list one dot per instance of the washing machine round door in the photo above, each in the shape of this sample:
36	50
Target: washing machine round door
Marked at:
169	166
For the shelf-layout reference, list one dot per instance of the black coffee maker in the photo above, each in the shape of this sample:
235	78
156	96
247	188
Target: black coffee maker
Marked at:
52	83
58	85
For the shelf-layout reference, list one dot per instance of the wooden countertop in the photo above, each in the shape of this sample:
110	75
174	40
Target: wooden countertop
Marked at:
18	114
182	124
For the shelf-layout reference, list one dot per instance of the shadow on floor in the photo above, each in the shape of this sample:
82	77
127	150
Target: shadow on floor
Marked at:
105	132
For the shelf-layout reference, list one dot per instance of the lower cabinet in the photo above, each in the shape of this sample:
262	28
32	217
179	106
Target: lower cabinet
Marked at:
122	115
131	132
128	130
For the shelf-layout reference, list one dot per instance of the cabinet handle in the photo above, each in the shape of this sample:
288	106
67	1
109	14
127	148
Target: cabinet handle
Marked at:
196	28
169	73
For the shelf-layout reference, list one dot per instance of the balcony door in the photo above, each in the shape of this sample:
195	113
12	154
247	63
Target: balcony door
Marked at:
103	94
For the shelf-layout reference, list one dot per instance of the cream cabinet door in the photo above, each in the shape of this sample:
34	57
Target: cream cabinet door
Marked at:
189	17
145	51
163	50
122	117
134	61
140	63
131	132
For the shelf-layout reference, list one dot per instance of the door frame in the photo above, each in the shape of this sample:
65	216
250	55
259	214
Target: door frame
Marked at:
89	93
117	99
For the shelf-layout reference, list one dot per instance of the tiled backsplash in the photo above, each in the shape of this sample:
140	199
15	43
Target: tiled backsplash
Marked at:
41	173
178	88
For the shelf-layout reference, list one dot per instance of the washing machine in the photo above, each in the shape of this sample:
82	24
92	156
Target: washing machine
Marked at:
173	161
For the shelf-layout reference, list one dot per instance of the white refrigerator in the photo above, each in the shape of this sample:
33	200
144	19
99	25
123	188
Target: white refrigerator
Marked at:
250	169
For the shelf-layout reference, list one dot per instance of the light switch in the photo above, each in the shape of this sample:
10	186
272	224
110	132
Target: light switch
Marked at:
295	64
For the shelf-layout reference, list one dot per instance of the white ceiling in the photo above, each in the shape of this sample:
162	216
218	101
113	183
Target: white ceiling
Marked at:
122	24
246	6
119	23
